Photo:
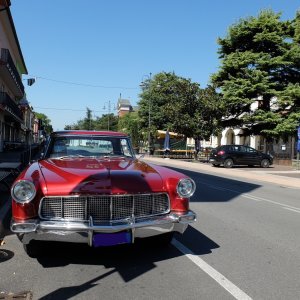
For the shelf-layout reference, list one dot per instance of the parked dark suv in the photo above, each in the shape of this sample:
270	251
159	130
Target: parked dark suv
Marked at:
229	155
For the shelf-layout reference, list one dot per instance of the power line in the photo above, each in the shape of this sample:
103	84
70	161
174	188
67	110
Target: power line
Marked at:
84	84
68	109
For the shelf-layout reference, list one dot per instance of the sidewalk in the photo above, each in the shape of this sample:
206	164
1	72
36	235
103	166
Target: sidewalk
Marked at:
277	174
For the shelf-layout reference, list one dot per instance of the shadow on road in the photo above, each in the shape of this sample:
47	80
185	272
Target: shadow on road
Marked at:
129	261
71	291
209	187
5	255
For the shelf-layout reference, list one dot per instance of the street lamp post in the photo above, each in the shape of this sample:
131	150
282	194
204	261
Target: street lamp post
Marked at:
143	84
149	120
109	109
108	104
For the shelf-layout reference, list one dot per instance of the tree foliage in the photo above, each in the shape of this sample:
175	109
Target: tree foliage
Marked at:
130	124
260	63
46	122
105	122
180	105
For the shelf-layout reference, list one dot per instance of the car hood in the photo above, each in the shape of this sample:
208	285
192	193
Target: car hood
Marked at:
93	176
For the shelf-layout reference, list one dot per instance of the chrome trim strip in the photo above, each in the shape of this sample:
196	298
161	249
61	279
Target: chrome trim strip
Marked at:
153	202
111	207
86	208
44	226
62	208
90	233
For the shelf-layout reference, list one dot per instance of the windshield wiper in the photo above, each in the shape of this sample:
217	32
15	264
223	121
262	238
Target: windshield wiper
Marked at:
69	156
116	155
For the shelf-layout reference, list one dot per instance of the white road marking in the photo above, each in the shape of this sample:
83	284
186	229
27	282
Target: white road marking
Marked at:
249	196
236	292
271	201
252	198
294	210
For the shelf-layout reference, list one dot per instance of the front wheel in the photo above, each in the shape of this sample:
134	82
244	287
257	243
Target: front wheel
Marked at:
265	163
228	163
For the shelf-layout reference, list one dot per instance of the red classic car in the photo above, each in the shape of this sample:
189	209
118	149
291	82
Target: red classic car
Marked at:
88	187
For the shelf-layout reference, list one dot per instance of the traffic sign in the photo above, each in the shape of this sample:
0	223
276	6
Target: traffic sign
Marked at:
298	146
299	133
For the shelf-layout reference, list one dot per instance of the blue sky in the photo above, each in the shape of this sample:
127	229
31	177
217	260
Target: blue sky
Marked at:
106	48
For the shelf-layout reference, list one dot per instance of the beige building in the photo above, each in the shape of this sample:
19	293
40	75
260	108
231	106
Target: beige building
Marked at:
124	107
12	66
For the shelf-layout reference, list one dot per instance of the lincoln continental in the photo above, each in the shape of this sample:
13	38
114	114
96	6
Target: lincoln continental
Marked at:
89	187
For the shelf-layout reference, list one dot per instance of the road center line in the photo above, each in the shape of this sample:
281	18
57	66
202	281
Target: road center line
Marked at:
236	292
294	210
271	201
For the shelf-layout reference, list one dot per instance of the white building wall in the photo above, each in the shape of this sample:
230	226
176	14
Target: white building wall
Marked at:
229	136
223	137
215	141
253	141
238	138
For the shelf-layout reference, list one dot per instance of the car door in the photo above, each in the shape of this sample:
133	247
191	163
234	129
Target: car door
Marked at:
236	154
241	155
251	156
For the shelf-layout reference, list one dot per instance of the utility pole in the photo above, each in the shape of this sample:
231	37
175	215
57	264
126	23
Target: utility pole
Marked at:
143	85
108	121
149	118
108	115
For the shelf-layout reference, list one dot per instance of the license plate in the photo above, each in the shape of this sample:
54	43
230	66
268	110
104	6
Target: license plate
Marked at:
111	239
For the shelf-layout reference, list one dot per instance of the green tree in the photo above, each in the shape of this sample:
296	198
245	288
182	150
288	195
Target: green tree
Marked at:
72	127
46	122
130	124
107	122
178	104
260	59
88	123
209	113
289	97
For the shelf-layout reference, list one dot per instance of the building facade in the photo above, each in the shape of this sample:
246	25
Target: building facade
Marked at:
283	151
12	67
124	107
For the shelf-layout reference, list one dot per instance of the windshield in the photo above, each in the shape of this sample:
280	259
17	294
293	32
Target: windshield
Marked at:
82	146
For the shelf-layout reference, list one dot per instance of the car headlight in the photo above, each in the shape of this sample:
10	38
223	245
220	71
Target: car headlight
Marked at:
23	191
186	187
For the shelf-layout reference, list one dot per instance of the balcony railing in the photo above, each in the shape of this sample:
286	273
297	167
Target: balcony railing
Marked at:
10	106
7	61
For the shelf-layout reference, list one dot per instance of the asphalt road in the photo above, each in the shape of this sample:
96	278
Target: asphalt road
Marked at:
245	244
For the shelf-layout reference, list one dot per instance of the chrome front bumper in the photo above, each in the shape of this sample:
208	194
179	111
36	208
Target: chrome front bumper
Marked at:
78	232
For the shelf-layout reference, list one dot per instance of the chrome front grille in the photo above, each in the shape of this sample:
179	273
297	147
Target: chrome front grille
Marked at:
104	208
